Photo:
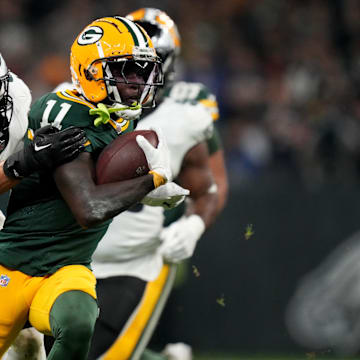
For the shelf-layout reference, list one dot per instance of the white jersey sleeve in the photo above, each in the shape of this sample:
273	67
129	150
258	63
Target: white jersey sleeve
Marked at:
130	246
184	124
21	97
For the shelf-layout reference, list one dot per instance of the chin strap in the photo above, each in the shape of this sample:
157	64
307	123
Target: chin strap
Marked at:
103	112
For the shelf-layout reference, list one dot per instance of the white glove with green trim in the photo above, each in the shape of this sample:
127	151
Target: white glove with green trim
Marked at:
127	112
168	196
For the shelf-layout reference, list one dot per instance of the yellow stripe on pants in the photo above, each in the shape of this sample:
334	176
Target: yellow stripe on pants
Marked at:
127	342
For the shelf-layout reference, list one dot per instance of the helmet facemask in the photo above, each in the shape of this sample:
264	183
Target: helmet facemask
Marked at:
6	109
168	59
142	75
164	45
6	102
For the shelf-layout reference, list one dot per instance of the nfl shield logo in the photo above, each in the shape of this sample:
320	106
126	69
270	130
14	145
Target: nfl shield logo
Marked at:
4	280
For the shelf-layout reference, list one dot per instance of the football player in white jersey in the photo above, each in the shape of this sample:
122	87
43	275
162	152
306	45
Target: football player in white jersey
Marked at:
49	148
135	263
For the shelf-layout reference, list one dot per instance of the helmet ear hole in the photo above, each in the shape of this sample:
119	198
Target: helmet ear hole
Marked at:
88	75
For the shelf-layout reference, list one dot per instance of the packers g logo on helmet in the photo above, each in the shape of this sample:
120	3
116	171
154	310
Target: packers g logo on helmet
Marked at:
90	35
103	44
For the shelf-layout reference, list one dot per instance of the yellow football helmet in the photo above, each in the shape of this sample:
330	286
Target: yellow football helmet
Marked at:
163	33
108	43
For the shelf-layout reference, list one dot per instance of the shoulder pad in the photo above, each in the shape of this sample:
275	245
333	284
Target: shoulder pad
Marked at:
192	92
19	91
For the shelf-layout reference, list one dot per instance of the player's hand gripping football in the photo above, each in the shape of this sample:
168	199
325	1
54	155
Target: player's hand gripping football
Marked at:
180	238
158	158
49	149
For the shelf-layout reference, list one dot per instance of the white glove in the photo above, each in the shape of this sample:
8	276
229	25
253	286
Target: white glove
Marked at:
168	196
158	158
180	238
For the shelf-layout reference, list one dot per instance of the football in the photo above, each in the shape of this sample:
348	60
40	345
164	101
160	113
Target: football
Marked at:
123	158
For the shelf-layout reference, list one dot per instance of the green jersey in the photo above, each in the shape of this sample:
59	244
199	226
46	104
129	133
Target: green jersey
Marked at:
40	234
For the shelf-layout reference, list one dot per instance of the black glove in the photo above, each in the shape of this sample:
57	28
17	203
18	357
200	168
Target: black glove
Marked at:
49	149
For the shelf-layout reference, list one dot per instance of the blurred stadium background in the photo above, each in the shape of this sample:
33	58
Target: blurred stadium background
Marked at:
287	78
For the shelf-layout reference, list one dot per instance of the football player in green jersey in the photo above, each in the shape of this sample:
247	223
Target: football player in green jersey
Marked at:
55	222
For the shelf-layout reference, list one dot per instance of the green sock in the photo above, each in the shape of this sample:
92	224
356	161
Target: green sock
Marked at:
72	320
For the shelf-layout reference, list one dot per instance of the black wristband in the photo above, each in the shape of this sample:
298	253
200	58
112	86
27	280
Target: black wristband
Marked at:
9	169
20	164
